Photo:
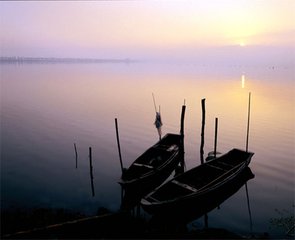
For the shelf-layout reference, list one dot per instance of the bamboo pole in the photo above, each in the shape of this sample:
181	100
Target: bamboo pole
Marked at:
76	154
202	131
118	142
182	138
248	123
91	171
182	121
215	138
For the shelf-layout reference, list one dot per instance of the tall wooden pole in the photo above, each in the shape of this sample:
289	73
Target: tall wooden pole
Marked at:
248	123
215	138
182	138
118	142
91	171
202	131
76	154
182	121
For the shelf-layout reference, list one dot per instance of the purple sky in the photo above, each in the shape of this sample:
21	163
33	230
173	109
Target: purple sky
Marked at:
144	28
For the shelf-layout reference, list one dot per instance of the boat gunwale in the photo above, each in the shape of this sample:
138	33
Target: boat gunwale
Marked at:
199	193
151	171
155	169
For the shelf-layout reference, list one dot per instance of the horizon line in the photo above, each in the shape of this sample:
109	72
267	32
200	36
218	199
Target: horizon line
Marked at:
12	59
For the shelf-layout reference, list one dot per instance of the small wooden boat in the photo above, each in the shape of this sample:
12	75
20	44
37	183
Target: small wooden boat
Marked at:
198	183
153	163
186	213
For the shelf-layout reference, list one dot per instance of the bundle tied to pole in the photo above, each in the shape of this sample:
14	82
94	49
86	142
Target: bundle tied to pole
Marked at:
158	121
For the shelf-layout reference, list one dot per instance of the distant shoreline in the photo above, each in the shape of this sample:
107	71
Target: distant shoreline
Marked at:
62	60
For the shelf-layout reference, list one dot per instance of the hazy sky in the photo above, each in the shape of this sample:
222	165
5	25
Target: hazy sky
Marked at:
122	28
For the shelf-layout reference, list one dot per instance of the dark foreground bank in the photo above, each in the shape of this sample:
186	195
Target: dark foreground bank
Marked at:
106	225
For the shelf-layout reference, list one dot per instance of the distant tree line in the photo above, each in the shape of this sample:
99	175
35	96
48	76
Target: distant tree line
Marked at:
61	60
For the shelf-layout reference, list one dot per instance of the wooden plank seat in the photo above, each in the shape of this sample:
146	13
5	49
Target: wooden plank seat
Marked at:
226	164
143	165
216	167
184	185
167	148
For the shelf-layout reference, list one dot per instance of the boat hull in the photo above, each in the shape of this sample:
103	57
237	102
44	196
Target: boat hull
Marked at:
197	184
154	165
194	208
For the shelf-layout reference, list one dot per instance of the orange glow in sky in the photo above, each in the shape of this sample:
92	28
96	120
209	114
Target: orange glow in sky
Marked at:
94	27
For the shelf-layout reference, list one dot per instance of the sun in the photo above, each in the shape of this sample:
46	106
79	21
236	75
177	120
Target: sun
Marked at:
242	44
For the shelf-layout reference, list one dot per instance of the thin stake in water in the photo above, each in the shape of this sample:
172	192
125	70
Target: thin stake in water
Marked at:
76	154
118	142
91	171
202	131
215	138
247	144
248	123
182	121
182	163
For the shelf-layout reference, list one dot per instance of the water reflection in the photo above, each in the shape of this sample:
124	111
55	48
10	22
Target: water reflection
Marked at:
46	108
243	81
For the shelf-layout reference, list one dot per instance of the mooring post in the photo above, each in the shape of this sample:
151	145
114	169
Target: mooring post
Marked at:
248	123
182	121
182	138
215	138
76	154
91	171
118	142
202	131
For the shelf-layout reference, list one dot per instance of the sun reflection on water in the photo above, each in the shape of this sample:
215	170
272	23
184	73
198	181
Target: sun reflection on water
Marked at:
243	81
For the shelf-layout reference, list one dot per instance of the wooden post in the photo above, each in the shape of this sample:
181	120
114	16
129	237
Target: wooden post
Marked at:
76	154
215	138
182	121
182	138
91	171
118	142
248	123
202	131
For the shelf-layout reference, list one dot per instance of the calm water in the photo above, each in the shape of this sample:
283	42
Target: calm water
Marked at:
46	108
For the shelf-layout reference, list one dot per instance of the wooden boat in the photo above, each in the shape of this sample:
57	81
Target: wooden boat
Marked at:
192	210
197	183
153	163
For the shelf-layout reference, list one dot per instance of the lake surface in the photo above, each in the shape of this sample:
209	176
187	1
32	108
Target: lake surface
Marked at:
46	108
